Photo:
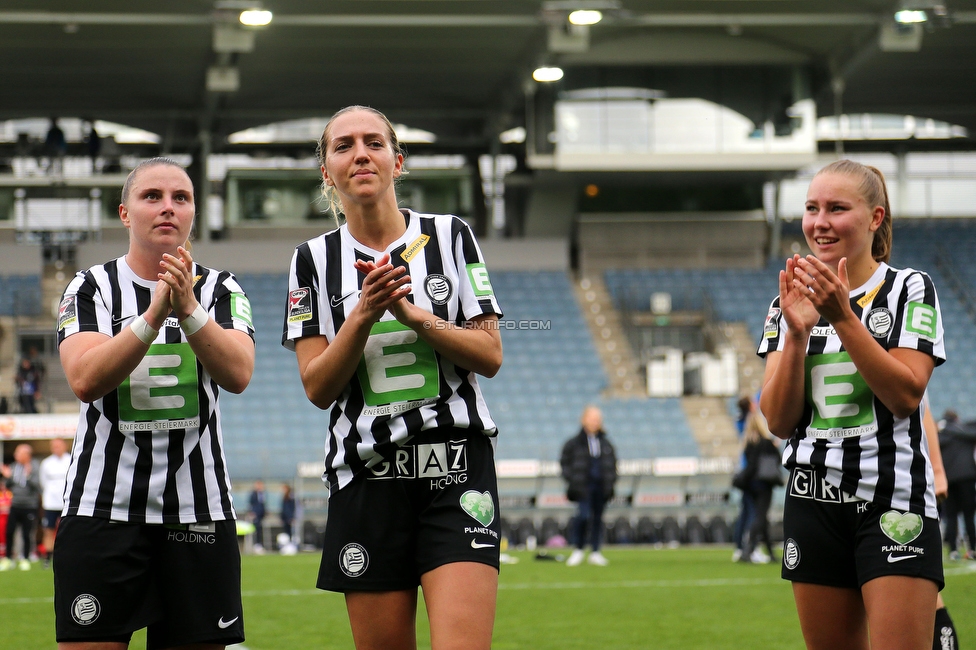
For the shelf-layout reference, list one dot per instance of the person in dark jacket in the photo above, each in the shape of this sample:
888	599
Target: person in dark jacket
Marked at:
589	466
257	510
957	440
23	479
287	510
763	467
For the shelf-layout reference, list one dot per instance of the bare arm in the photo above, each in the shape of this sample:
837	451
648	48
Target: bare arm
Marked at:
96	364
897	377
477	346
327	368
935	454
783	399
227	354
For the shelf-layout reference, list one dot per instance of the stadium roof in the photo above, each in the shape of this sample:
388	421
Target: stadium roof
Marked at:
458	69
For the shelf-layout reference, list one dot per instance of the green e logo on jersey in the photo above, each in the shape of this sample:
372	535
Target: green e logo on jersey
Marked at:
397	366
162	387
843	405
478	275
922	319
240	309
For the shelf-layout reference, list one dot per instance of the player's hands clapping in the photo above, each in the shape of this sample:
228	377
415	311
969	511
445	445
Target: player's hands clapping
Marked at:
383	287
794	299
178	277
827	291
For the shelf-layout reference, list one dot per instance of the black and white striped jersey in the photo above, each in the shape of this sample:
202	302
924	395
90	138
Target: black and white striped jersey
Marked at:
150	451
846	430
402	386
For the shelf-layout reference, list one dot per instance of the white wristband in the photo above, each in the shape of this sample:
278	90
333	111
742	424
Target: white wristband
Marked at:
143	331
195	321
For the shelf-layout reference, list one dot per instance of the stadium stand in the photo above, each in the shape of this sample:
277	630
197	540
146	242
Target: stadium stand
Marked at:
20	295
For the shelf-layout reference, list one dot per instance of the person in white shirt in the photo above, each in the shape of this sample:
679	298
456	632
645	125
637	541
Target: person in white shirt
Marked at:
54	471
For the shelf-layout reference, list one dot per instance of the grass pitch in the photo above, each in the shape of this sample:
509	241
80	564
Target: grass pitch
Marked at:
646	598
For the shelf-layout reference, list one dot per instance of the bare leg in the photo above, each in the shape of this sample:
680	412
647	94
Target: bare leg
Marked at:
831	618
84	645
385	620
901	612
460	601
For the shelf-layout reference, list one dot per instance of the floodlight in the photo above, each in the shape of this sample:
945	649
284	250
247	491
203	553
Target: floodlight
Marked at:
547	74
910	16
256	17
585	17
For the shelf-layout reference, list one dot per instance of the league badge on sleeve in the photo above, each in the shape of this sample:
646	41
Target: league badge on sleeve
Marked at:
67	312
771	327
299	305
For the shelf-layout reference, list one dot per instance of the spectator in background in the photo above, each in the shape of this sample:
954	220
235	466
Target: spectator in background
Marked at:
54	472
589	467
287	510
747	507
957	440
763	469
94	144
25	487
28	380
55	147
257	511
5	499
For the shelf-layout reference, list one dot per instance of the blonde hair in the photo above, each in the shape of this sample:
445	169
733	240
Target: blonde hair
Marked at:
755	429
329	193
874	191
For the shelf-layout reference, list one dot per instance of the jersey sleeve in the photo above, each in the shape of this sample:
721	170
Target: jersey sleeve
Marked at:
82	309
232	308
918	325
304	316
773	329
477	297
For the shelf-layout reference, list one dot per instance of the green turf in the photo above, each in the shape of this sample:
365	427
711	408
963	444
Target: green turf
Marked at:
646	598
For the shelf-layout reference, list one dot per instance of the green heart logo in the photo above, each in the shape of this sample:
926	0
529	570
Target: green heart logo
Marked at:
901	527
479	505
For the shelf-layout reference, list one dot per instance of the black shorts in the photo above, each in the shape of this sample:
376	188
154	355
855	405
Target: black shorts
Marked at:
182	581
433	503
835	539
50	519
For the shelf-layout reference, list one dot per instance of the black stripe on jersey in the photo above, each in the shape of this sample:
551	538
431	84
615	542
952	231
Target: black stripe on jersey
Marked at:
87	318
396	259
851	459
333	277
307	277
899	314
111	458
195	458
772	343
84	458
887	451
917	498
139	496
360	276
331	449
218	456
435	266
174	459
112	269
468	248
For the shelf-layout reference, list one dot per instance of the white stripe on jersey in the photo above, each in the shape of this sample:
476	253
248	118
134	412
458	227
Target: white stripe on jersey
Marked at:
900	308
324	288
129	475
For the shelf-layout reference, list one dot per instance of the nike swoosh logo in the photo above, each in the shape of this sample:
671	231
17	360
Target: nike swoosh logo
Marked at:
222	624
475	544
338	301
892	559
